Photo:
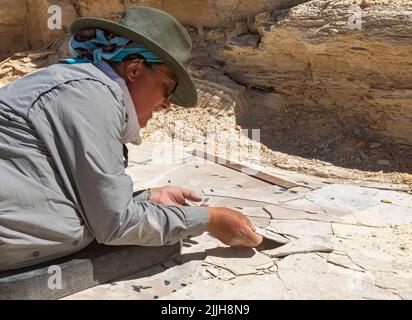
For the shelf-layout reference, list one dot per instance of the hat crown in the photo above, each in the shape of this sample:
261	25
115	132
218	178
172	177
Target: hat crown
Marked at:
162	29
159	33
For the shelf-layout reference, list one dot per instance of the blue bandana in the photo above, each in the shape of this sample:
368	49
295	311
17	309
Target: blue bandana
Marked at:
97	45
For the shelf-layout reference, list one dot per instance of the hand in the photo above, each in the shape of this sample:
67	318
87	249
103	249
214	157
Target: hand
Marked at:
170	195
232	228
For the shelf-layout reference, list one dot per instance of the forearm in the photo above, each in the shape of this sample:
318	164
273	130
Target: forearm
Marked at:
149	224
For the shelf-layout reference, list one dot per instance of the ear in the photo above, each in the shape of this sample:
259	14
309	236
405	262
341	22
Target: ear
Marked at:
133	69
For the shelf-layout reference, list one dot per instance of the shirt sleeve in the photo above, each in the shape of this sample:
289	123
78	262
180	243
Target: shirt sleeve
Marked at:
87	119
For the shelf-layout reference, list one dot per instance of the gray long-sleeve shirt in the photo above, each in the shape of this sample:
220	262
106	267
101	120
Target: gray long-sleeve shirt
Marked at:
62	179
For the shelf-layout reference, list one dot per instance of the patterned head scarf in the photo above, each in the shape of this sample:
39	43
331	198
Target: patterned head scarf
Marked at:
94	45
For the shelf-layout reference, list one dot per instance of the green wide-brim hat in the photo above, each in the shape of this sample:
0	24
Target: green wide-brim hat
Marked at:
159	33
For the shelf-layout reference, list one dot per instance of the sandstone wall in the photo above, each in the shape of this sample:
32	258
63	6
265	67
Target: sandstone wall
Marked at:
311	73
23	23
305	72
13	15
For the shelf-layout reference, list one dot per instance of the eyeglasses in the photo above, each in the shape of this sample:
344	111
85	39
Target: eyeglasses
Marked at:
169	90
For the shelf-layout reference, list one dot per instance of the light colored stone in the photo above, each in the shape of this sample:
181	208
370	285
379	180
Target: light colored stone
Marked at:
300	228
301	204
259	217
258	212
274	268
375	249
344	198
373	261
383	186
267	234
265	287
265	266
240	261
280	212
384	214
402	199
270	194
302	245
389	280
226	275
310	276
213	271
343	260
259	222
405	294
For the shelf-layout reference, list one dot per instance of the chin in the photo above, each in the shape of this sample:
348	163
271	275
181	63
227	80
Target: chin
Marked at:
144	124
145	120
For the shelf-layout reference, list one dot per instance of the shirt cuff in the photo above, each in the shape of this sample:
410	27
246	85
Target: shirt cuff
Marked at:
197	220
141	195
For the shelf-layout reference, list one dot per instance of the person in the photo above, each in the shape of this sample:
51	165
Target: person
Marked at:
63	132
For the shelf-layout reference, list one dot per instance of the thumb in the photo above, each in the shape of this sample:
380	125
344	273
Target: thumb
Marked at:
250	224
191	195
254	239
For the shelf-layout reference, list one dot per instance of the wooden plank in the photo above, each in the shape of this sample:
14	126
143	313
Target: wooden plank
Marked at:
246	170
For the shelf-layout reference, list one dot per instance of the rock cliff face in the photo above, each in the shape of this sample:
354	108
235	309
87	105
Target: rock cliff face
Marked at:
27	19
330	80
316	74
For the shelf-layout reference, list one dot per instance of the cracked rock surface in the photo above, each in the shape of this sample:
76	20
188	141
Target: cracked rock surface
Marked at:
341	241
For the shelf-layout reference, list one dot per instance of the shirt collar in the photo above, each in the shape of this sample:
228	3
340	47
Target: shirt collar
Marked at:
132	130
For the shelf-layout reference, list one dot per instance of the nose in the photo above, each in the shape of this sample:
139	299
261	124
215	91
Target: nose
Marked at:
166	104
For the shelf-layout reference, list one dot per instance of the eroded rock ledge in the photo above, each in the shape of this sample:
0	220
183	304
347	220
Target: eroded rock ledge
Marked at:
330	80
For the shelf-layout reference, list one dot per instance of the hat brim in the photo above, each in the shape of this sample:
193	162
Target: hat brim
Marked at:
185	94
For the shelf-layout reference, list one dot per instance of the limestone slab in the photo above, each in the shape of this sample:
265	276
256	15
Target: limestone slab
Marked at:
300	228
344	198
302	245
239	261
383	215
259	217
310	276
268	194
267	234
288	212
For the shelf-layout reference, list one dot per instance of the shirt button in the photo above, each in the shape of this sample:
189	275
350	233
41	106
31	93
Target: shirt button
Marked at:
75	242
36	254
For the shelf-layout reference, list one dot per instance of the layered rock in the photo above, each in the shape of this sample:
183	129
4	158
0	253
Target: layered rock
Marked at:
23	23
325	80
13	14
318	79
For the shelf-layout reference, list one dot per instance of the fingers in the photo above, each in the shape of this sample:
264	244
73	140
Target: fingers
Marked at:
250	224
169	201
247	235
232	228
180	199
253	240
191	195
